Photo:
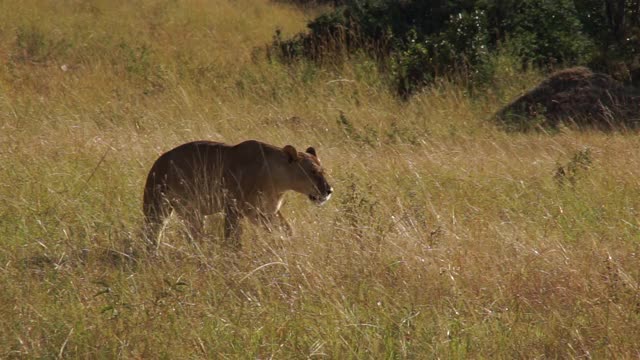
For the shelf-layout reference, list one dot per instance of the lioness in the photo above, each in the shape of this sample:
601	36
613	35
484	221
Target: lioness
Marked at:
245	180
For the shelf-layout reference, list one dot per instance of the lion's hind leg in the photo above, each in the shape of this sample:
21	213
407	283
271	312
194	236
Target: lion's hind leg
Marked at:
232	229
156	210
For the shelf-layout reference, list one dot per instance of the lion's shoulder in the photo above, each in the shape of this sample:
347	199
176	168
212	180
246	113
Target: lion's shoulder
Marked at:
254	145
257	150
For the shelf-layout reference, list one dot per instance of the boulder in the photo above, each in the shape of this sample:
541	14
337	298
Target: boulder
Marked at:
575	97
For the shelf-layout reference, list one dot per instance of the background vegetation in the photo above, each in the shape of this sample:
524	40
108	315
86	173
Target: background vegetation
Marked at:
446	236
417	41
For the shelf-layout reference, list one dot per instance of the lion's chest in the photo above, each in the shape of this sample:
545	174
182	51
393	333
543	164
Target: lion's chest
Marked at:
268	203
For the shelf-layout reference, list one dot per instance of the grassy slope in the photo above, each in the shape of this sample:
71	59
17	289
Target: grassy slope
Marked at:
446	237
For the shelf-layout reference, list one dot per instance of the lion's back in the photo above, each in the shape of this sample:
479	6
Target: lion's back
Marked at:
184	162
239	168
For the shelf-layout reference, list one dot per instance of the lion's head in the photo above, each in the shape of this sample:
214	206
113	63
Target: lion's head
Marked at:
307	174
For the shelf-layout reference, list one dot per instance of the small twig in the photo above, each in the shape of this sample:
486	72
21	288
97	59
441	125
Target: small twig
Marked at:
95	169
261	267
340	80
64	344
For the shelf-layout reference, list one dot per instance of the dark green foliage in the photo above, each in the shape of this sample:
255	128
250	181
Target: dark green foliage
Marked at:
615	27
410	67
461	46
314	2
417	40
541	31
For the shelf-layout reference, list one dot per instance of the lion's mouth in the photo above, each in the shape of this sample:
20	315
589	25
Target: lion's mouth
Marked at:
319	200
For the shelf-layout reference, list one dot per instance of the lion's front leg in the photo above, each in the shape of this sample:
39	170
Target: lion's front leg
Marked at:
232	229
284	224
275	221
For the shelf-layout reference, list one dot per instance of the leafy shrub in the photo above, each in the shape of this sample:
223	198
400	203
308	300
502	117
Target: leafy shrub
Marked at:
460	47
420	40
314	2
614	25
543	32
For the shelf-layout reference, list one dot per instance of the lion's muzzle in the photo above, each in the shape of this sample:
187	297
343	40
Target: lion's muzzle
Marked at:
323	197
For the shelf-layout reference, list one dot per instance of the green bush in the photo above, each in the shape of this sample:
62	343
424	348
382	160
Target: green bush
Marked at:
543	32
419	40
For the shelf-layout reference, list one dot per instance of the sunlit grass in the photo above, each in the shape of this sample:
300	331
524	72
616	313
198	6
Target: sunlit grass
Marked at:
446	237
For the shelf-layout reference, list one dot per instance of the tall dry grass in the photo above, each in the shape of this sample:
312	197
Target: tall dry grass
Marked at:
446	237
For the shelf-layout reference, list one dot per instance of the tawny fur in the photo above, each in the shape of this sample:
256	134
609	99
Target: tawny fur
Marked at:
246	180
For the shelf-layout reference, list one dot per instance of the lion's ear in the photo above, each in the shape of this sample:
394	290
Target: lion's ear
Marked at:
312	151
291	152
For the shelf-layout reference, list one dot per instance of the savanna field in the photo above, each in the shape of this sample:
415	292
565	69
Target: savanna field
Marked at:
446	237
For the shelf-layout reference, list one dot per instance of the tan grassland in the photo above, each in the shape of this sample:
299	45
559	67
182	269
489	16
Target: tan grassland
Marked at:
446	236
